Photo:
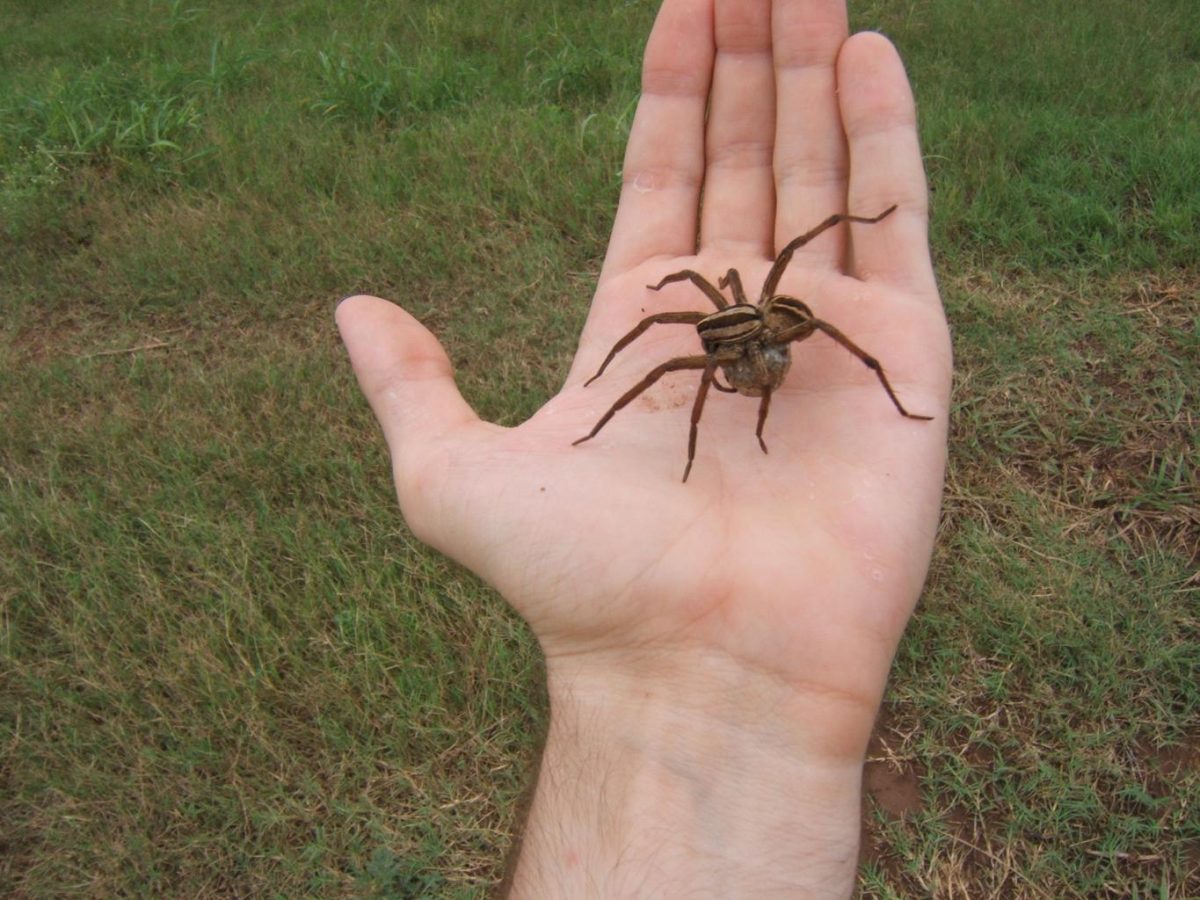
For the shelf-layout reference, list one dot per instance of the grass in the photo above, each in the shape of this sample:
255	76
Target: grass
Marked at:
225	666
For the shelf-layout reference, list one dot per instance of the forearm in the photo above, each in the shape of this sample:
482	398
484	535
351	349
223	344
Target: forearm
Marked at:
712	788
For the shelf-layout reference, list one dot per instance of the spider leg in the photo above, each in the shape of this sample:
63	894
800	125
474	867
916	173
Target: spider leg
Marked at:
785	255
763	407
667	318
674	365
722	387
734	280
697	279
697	408
870	362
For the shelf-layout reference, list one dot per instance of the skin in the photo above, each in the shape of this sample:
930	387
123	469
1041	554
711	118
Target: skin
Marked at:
717	650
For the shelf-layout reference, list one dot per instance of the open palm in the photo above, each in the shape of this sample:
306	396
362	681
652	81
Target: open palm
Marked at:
803	563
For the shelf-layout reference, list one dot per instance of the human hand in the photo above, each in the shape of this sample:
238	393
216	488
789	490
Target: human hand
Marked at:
769	591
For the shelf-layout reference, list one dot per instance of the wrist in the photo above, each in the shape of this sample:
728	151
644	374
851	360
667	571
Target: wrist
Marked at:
706	690
717	781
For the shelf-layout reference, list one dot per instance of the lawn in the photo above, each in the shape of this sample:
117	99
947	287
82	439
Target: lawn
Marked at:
227	668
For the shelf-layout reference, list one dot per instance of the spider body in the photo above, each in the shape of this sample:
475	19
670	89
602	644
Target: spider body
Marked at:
750	344
756	369
745	340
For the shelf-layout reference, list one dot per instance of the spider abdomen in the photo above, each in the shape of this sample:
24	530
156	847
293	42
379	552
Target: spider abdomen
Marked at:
759	366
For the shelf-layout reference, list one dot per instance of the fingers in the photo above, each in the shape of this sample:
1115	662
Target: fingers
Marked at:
810	151
664	162
739	190
827	92
879	115
406	377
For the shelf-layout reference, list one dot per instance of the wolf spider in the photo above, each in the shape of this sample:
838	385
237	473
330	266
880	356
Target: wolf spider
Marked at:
749	343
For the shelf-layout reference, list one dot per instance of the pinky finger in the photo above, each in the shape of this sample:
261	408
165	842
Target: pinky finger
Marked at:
879	115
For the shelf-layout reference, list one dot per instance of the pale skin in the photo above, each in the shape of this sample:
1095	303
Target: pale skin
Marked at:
717	650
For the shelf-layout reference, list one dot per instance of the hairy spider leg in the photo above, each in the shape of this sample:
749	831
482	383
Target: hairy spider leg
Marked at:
785	255
697	408
763	407
667	318
803	329
733	280
697	279
674	365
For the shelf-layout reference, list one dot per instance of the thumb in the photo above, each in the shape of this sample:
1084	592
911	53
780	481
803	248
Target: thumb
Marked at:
407	378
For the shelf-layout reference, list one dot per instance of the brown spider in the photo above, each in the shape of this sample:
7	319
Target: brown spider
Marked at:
750	344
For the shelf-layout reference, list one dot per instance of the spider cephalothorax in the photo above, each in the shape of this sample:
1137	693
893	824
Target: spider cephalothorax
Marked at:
749	343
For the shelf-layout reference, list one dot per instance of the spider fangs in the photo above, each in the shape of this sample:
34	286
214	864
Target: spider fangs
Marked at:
750	344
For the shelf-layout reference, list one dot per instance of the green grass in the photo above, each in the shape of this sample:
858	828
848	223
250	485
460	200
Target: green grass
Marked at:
225	666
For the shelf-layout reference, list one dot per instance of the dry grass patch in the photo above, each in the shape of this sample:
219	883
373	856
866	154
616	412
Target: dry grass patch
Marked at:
1086	400
1047	685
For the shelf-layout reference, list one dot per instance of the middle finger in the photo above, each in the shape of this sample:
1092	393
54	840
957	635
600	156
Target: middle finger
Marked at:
739	188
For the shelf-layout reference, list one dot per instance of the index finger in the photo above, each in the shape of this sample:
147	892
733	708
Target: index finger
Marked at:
664	162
